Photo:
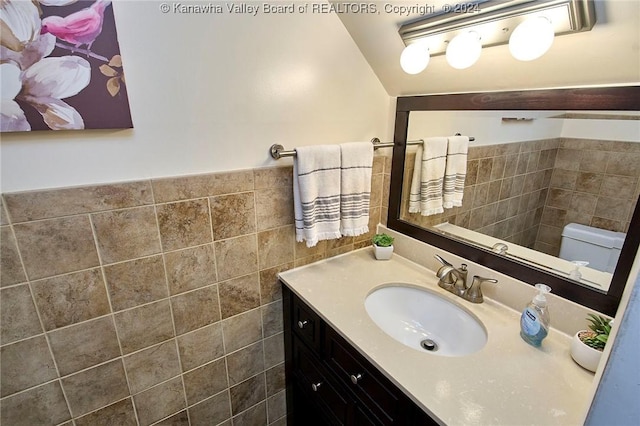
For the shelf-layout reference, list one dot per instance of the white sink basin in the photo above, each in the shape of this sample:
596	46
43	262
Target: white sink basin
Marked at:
413	316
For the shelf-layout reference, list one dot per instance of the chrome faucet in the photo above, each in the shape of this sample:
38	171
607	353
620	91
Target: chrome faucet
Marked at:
454	280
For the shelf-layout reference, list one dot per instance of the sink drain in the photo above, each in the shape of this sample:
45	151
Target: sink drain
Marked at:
429	345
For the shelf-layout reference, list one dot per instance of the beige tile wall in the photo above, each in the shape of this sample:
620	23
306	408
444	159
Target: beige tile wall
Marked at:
152	302
595	183
505	191
527	192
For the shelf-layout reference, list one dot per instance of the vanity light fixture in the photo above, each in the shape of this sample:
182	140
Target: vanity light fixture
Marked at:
461	30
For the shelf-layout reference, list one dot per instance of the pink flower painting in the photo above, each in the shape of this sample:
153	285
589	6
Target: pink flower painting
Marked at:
60	67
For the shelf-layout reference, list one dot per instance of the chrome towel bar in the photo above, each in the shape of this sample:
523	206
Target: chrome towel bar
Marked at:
277	151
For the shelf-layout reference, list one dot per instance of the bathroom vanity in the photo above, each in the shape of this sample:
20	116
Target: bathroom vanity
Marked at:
342	368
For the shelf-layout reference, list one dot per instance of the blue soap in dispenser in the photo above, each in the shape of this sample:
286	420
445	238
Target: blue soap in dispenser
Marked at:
534	322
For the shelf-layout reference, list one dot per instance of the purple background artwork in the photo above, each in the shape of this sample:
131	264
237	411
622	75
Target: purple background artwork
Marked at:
83	38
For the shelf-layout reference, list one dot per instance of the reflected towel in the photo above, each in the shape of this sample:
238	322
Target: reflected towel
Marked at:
316	193
455	171
355	187
428	177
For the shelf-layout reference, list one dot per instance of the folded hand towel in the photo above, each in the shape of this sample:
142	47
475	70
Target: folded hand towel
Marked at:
416	178
456	171
355	187
316	193
432	165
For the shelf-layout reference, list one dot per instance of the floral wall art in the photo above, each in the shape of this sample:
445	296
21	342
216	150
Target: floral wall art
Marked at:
60	66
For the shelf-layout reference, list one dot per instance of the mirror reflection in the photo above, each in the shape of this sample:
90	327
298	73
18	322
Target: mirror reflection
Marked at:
554	189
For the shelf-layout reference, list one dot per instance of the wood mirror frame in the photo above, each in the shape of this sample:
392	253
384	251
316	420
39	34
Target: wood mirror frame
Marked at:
621	98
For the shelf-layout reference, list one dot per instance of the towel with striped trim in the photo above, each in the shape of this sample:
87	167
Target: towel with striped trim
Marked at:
355	187
316	193
426	192
455	171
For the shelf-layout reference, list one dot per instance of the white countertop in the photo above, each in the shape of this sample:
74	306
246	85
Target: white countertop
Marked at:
508	382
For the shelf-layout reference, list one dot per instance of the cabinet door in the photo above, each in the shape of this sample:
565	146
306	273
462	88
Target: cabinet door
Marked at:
306	324
375	391
319	387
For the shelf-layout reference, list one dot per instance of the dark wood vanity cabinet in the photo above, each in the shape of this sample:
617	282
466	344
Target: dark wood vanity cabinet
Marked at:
330	383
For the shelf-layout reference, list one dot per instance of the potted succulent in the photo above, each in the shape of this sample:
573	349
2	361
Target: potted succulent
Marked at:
383	246
587	345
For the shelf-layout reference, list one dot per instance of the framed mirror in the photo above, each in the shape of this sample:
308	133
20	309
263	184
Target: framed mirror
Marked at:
523	154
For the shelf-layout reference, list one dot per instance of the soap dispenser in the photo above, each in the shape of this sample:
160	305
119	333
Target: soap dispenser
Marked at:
534	322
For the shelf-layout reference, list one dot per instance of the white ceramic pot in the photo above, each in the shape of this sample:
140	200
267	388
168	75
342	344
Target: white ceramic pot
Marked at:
584	355
383	253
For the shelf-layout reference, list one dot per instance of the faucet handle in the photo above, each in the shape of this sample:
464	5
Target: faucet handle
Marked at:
441	260
474	293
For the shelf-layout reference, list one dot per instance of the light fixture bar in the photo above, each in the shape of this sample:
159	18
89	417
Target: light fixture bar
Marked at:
496	19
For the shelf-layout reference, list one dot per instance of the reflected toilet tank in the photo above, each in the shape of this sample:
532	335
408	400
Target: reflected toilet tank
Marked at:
599	247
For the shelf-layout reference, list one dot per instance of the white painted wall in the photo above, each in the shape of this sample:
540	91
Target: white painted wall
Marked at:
211	93
489	129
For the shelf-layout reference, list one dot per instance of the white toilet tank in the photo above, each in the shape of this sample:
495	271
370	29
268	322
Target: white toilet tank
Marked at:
599	247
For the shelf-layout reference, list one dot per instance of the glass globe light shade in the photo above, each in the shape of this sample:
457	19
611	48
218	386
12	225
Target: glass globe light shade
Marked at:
414	58
464	50
531	39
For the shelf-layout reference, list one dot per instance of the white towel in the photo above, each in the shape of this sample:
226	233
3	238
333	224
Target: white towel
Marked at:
355	188
456	171
428	176
316	193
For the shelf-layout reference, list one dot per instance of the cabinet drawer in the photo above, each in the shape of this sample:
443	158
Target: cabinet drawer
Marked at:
319	385
306	323
377	393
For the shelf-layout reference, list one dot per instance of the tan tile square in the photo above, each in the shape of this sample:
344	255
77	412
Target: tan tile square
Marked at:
247	394
589	182
613	208
272	177
272	318
270	287
274	350
92	342
56	246
25	364
136	282
184	224
69	299
198	186
565	179
144	326
201	346
118	414
38	406
245	363
11	270
211	411
608	224
236	256
4	218
274	207
239	295
126	234
195	309
160	401
233	215
18	316
190	268
623	163
32	205
277	407
560	198
275	379
152	366
583	203
205	381
554	217
242	330
256	415
95	388
619	186
275	246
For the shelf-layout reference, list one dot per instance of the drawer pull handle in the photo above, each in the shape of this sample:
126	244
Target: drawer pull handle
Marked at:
316	386
302	324
355	378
